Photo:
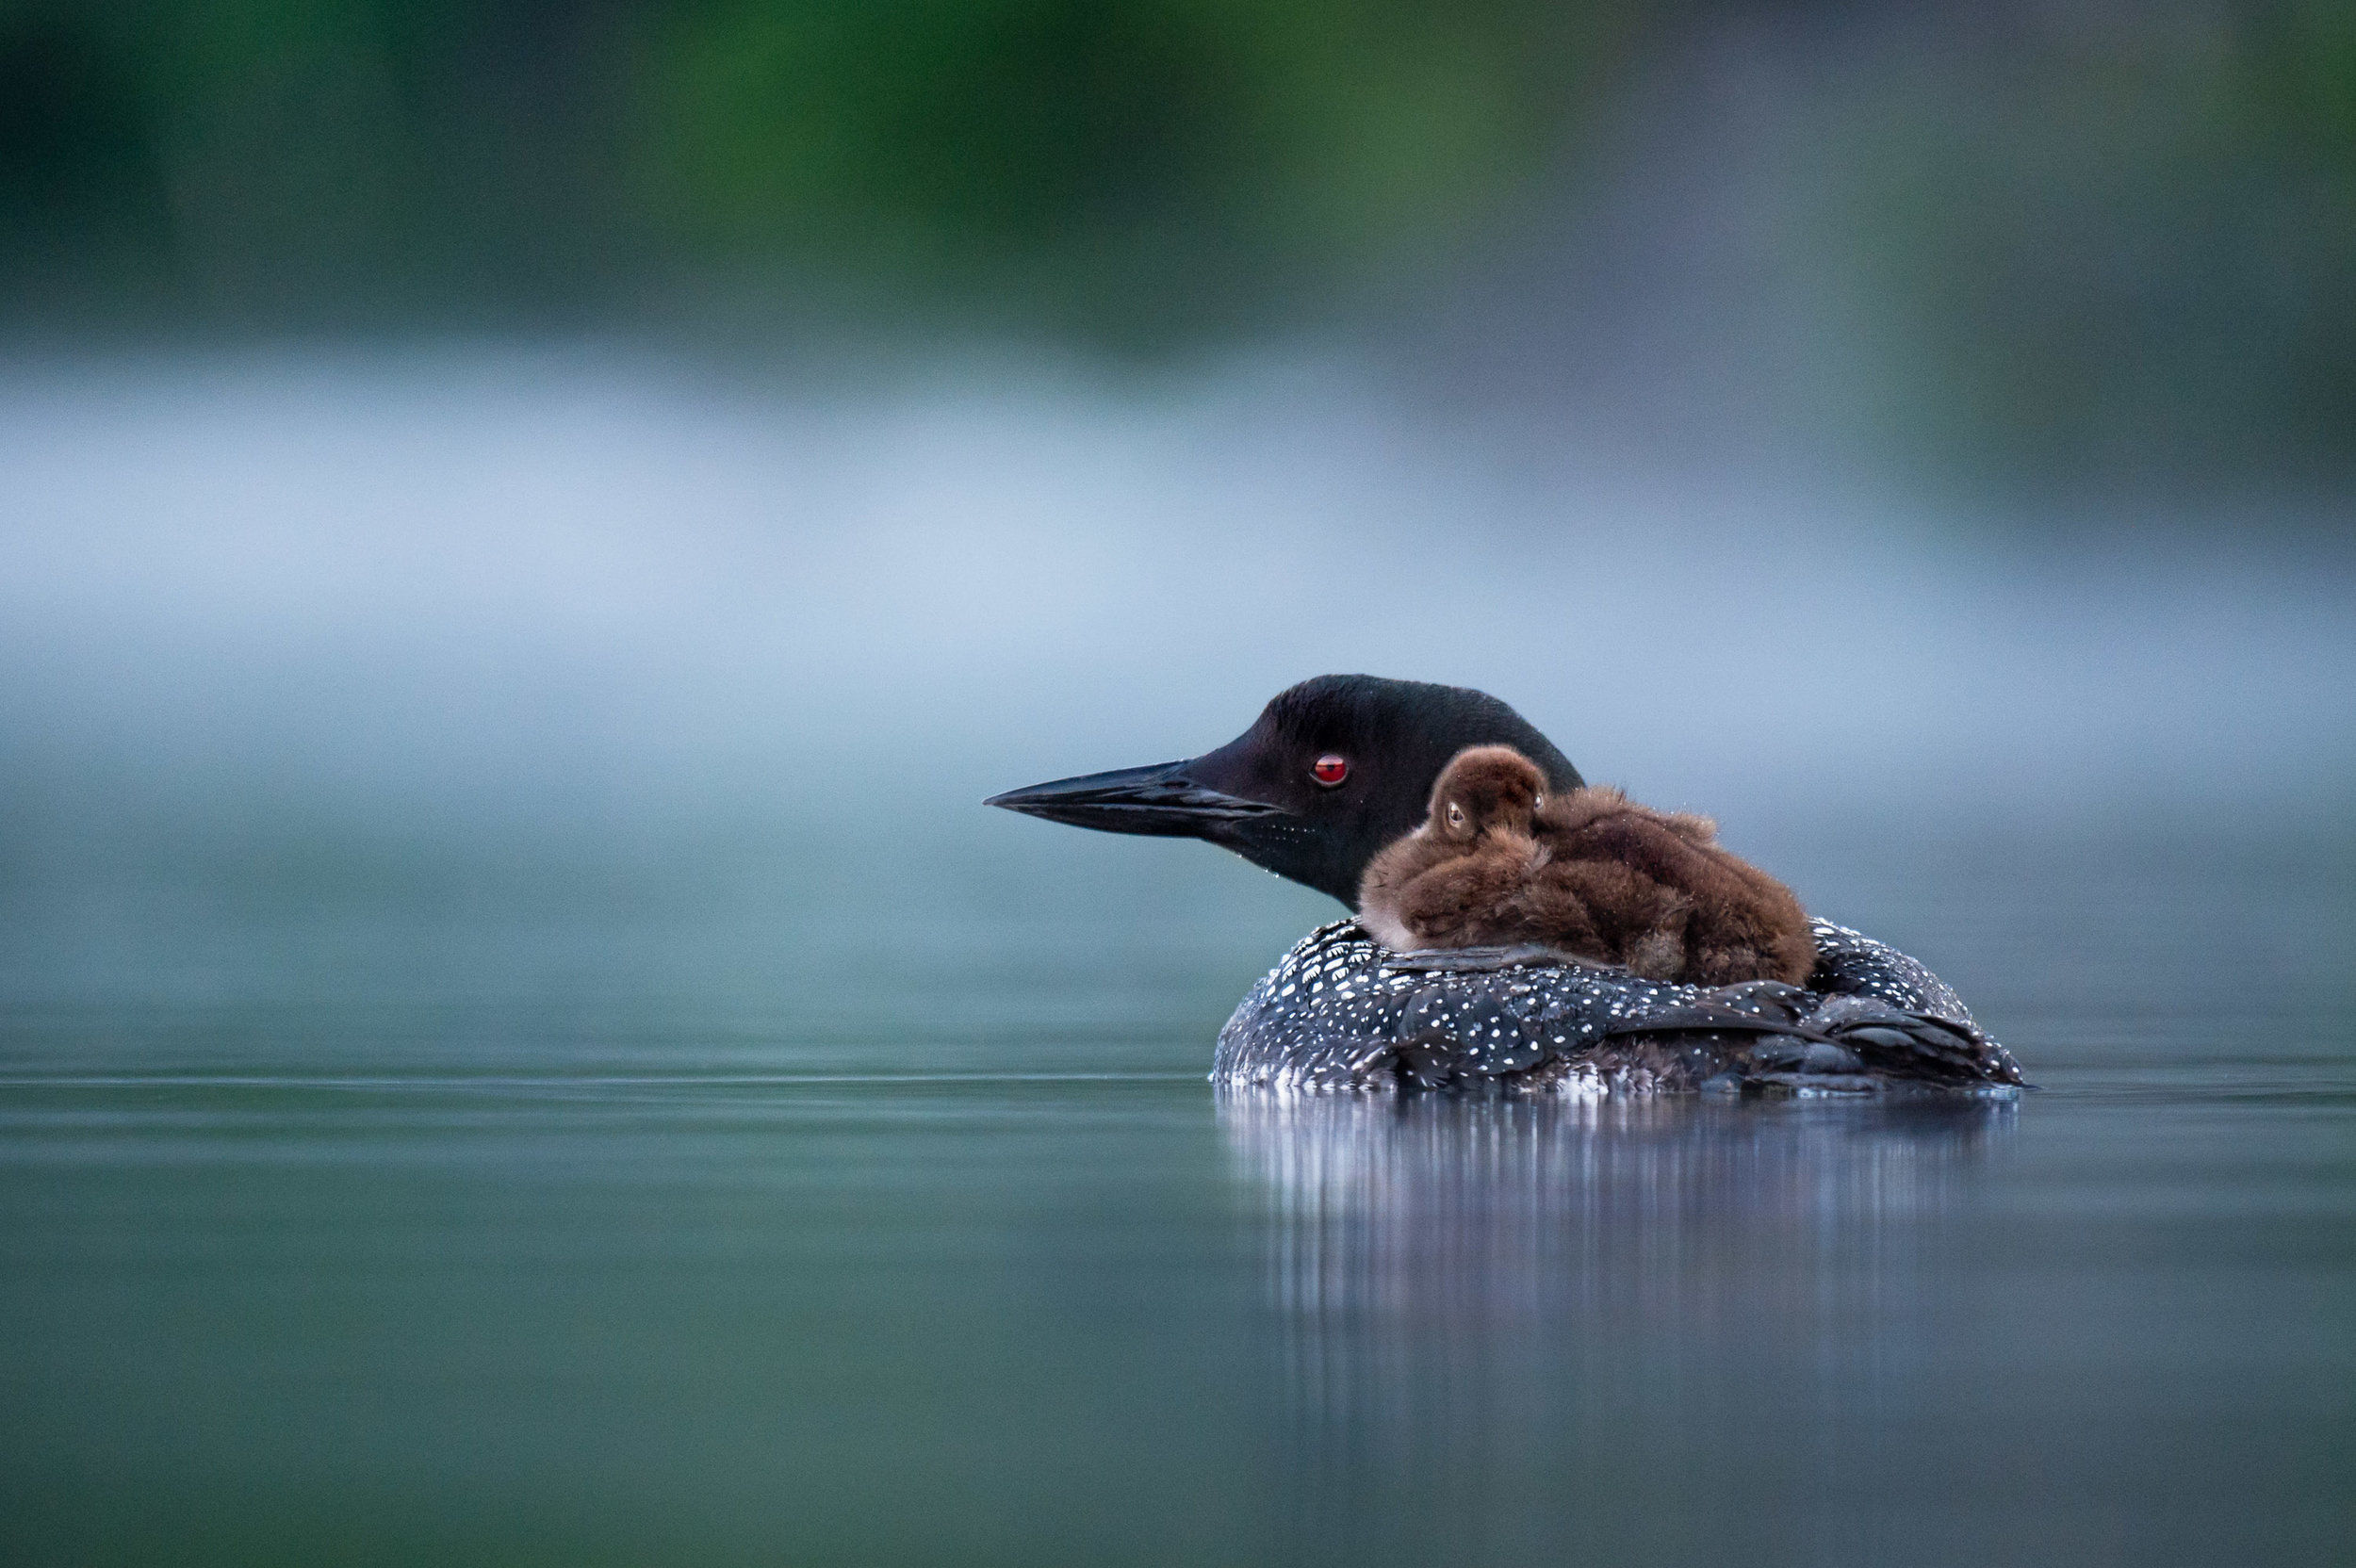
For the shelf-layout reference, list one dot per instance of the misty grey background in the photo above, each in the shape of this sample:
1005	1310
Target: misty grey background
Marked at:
580	603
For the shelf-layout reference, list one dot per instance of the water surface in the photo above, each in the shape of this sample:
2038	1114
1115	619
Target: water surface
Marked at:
664	1250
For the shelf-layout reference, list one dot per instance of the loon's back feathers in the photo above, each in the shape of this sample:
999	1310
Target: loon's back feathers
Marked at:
1499	860
1340	1012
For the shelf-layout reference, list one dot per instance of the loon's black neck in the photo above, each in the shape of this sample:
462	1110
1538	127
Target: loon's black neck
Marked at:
1272	794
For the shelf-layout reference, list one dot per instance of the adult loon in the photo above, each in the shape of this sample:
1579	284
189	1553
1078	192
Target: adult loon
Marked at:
1339	766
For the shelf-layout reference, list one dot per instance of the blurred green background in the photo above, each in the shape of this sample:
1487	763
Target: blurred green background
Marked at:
2028	242
1138	169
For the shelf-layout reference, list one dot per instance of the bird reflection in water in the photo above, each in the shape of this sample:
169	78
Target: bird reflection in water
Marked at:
1491	1300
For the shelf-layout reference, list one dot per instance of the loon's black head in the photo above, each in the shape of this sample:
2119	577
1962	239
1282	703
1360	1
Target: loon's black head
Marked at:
1333	769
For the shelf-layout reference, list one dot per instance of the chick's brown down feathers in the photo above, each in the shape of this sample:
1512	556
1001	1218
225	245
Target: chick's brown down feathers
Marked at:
1500	860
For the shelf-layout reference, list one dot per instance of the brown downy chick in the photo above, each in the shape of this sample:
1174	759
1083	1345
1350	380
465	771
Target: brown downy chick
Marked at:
1498	861
1458	880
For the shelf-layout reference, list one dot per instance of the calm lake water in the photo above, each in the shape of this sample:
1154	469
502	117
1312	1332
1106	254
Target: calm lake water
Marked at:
381	1236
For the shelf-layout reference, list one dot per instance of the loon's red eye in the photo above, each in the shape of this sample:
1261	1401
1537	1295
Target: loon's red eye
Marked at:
1329	770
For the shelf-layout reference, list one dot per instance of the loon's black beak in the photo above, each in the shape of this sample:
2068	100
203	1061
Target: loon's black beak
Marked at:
1159	800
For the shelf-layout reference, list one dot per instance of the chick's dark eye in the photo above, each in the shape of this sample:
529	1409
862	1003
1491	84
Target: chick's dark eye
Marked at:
1329	770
